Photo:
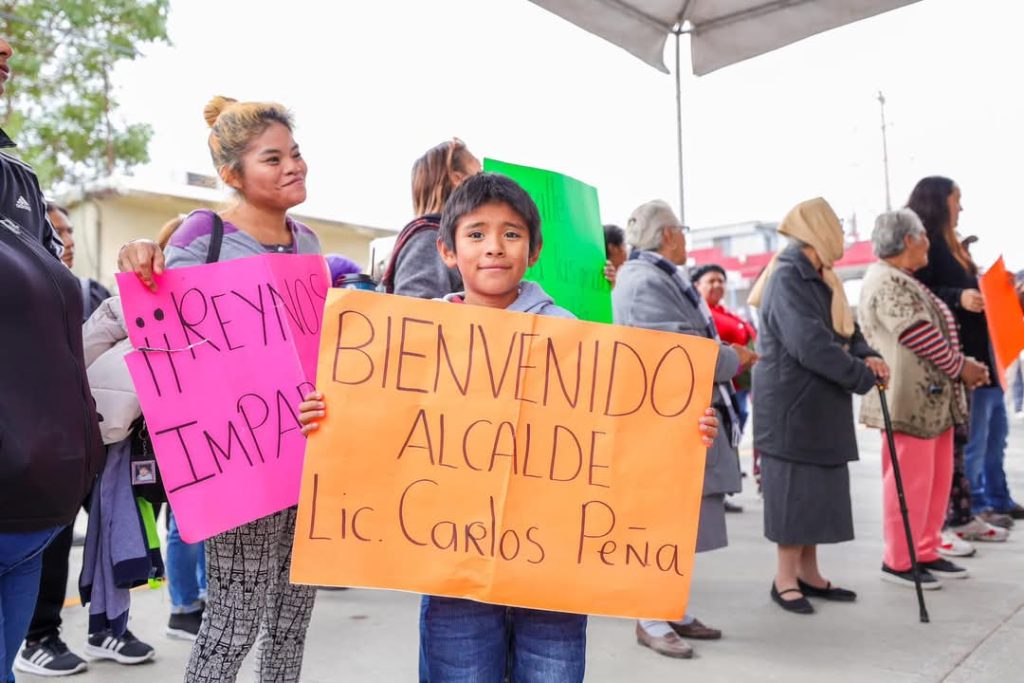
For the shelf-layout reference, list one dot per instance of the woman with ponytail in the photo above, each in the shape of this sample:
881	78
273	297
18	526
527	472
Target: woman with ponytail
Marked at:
983	498
415	267
255	154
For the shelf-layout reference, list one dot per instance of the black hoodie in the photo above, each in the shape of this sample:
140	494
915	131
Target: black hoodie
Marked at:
50	448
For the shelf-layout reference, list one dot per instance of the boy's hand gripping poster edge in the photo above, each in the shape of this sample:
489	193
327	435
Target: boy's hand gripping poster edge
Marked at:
224	353
508	458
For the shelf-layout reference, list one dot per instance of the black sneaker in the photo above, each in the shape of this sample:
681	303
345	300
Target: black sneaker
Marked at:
185	626
49	657
731	506
124	650
1016	512
928	582
945	569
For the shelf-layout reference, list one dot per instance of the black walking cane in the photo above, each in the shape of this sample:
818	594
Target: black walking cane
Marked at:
914	568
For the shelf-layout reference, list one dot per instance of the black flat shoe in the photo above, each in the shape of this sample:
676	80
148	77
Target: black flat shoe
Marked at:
829	592
800	606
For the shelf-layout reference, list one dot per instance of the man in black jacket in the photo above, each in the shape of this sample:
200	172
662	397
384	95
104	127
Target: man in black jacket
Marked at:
51	449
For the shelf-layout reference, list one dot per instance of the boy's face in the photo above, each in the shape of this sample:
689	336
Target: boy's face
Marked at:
492	251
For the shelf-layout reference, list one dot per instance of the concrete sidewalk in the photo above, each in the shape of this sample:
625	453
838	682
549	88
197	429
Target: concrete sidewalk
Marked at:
976	633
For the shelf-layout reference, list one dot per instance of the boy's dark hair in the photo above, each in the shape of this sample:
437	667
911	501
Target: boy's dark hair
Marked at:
485	188
613	236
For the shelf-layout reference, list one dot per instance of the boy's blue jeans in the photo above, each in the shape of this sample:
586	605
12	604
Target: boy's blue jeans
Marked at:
985	450
186	571
473	642
21	561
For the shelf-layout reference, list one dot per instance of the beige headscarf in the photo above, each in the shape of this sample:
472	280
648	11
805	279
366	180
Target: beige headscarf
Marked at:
815	224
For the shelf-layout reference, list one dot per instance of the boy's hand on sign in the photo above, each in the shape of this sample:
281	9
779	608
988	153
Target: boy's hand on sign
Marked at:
144	258
709	427
311	410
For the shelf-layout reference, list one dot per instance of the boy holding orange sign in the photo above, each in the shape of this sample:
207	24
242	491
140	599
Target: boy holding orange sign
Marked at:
490	231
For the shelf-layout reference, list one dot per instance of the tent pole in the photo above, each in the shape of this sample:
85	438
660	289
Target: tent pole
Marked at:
679	128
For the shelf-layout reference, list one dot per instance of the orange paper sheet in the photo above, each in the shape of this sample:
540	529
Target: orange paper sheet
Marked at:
509	458
1004	316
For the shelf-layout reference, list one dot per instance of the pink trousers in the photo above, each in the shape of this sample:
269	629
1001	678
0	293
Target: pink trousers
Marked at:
927	469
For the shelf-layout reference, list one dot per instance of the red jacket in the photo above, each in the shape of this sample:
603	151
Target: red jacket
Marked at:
734	330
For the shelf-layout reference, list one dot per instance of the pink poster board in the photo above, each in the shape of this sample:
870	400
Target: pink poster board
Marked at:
224	353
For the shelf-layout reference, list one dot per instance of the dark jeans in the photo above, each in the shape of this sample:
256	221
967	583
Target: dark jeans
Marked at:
1017	386
20	563
424	673
186	571
743	403
473	642
983	457
53	584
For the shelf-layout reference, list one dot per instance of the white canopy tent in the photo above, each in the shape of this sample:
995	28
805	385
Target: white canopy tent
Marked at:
722	32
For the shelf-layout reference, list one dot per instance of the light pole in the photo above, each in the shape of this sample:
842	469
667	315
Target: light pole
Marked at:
885	153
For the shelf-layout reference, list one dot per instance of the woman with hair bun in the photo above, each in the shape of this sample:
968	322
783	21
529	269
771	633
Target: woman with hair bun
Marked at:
255	154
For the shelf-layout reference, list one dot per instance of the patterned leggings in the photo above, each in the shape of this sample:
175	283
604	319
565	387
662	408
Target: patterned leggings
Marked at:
249	594
959	511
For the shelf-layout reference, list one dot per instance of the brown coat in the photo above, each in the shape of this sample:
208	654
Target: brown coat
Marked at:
923	400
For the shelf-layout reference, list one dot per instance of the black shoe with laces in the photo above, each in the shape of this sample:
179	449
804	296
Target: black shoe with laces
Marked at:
124	650
1016	512
185	626
906	578
945	569
49	657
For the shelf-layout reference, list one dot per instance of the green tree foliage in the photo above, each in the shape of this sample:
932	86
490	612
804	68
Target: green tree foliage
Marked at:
59	105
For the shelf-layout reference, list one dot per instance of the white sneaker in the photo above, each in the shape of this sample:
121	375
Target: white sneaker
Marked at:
954	546
980	530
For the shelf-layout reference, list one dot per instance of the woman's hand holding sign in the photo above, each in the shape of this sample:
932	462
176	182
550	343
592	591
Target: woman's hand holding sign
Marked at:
311	410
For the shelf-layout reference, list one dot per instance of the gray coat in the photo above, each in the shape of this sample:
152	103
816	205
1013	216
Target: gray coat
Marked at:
646	296
803	410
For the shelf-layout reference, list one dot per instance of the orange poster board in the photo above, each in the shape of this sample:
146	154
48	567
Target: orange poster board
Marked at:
509	458
1004	316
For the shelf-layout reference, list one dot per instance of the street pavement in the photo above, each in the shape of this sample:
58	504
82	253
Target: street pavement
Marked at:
976	632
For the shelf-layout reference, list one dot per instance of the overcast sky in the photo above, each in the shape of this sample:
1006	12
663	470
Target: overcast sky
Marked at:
374	84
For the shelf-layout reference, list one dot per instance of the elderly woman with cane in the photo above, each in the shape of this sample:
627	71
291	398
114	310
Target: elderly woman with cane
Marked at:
813	357
917	335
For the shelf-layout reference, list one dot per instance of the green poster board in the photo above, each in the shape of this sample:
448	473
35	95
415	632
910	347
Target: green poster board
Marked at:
571	265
